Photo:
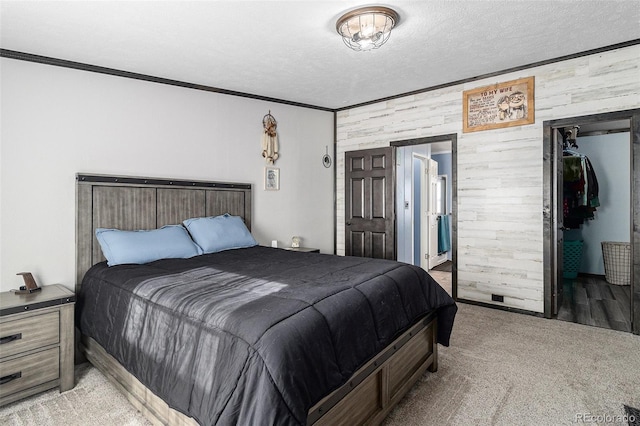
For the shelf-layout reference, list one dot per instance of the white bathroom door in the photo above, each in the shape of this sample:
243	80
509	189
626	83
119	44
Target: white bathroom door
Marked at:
429	237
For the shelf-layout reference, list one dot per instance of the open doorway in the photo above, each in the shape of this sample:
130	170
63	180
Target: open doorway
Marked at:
590	213
426	206
429	229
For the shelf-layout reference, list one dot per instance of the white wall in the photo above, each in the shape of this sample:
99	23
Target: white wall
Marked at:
404	194
57	122
500	172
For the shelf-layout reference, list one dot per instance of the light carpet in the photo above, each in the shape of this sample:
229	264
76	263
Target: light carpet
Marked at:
502	368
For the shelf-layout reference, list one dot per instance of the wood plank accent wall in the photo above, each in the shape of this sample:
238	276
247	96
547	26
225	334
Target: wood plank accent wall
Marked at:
500	172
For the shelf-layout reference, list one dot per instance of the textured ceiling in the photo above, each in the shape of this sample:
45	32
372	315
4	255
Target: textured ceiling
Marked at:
291	51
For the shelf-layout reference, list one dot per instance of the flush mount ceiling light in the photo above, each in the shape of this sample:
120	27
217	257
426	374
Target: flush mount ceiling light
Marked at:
367	28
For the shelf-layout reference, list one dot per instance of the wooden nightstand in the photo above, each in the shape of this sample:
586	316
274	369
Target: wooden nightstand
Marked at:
303	249
36	342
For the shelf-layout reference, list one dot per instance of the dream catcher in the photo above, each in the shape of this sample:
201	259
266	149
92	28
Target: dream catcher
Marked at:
270	138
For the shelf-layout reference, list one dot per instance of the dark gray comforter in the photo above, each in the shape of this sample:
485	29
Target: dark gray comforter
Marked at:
254	336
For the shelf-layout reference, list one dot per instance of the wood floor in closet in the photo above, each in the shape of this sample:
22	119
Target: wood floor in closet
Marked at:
591	300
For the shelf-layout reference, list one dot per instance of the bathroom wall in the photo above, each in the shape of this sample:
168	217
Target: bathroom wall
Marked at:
444	168
405	200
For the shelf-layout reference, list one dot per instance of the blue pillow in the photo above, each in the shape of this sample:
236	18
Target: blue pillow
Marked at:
214	234
171	241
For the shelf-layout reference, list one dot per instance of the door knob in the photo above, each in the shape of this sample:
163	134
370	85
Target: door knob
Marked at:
348	223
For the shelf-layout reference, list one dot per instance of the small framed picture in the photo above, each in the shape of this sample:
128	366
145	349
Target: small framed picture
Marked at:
271	178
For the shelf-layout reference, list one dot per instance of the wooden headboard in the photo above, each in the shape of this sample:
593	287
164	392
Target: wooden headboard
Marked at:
131	203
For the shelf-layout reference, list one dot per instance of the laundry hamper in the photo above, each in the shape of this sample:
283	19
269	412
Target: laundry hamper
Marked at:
571	255
617	262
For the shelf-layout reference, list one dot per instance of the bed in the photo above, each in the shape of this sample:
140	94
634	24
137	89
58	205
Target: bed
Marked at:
255	335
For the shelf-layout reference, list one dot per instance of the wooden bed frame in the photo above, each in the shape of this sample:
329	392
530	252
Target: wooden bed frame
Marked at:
146	203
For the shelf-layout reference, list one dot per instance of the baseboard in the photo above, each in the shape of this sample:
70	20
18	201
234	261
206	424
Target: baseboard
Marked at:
501	308
586	274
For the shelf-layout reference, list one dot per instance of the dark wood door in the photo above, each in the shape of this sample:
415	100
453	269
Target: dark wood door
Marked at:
370	203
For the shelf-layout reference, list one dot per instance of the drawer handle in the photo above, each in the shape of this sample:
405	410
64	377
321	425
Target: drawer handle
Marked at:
9	339
10	377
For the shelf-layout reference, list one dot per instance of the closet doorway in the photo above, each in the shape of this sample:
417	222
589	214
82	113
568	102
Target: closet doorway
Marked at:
426	206
590	210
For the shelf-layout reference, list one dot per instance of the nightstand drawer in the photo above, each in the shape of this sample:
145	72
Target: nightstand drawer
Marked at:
29	371
29	333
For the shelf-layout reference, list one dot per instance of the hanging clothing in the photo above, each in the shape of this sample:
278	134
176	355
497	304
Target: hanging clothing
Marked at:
572	168
592	188
580	190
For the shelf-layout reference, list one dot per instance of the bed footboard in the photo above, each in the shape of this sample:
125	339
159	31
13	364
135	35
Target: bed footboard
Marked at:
366	398
373	391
